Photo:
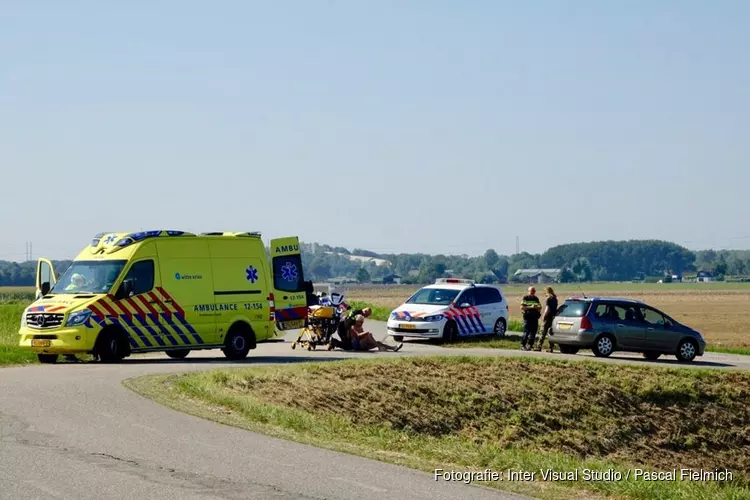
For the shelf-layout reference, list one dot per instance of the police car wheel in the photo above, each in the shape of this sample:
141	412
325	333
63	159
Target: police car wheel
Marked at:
450	332
500	328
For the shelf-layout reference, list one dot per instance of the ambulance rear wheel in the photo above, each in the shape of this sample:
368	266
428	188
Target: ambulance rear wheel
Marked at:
178	353
238	342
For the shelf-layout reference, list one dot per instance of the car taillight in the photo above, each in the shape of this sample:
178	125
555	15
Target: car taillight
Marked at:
586	323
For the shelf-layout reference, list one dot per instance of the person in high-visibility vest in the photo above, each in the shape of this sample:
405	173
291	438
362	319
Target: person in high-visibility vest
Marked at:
531	308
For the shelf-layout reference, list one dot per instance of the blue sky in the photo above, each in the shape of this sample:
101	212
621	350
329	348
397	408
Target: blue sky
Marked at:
397	126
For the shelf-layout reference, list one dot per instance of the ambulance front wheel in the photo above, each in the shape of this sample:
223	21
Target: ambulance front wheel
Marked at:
112	345
178	353
47	358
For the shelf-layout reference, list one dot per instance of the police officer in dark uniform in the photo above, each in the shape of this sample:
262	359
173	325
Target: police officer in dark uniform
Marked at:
531	308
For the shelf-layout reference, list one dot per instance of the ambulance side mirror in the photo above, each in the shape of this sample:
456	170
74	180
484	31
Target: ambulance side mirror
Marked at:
126	289
45	288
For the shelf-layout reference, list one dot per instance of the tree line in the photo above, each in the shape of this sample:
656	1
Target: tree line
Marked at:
592	261
579	262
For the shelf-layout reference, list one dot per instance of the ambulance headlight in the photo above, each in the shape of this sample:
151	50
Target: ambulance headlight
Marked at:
23	320
437	317
78	318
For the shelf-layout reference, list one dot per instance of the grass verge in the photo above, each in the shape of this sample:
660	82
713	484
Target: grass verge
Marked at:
497	413
10	318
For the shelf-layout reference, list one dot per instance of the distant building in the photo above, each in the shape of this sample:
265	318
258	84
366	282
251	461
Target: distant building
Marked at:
537	275
392	278
705	276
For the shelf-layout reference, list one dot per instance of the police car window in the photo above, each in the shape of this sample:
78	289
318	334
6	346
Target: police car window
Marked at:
467	298
486	295
433	296
142	274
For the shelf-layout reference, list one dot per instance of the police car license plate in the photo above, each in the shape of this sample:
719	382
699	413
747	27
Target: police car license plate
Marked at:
408	327
40	343
294	325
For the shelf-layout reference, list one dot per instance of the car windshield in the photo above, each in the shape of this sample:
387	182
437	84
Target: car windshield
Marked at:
573	309
433	296
89	277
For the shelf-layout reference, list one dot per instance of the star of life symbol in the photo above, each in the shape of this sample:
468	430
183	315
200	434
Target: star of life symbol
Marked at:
251	274
110	239
289	271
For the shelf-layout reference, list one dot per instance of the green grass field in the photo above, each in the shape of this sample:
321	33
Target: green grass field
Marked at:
496	413
10	321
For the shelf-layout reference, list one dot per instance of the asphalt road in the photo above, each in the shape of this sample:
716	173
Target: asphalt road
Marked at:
72	431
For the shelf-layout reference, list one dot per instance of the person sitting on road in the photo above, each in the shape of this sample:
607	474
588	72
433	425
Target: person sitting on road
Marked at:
364	341
346	323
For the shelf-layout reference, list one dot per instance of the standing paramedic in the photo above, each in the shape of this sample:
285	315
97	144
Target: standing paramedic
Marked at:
531	308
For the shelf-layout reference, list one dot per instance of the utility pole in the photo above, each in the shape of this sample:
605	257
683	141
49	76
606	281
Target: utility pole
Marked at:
31	254
518	245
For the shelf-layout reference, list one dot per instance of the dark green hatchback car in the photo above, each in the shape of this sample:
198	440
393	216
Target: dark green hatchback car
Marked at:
609	324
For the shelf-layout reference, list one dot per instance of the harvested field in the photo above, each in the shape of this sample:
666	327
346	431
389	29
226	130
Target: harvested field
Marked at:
721	312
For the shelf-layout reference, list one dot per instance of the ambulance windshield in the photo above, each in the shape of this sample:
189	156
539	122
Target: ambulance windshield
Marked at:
89	277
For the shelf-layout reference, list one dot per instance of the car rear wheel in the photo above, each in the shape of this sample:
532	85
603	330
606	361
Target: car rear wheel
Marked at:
178	353
568	349
687	350
651	356
604	346
500	328
450	332
398	338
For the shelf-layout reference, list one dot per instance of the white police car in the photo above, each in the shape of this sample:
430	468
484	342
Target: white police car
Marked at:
449	309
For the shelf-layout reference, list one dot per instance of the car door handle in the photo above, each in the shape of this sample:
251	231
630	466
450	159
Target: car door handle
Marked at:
620	325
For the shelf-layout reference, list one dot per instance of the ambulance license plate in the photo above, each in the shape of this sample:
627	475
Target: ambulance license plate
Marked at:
408	327
40	343
294	325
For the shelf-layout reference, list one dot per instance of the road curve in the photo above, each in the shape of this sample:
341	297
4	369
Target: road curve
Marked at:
72	431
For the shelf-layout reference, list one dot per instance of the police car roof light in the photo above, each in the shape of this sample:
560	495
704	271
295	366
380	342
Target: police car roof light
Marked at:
455	280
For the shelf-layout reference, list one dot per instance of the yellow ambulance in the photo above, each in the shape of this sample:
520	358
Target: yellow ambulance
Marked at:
168	291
